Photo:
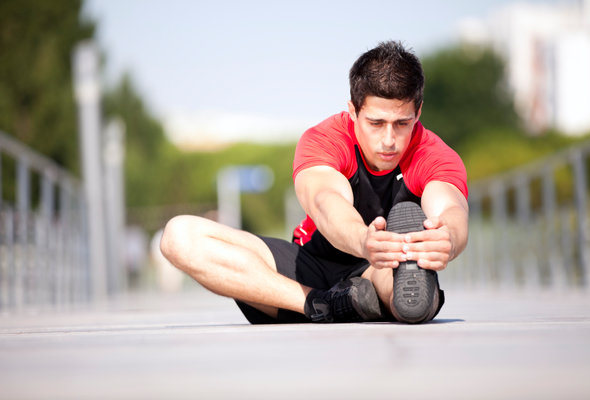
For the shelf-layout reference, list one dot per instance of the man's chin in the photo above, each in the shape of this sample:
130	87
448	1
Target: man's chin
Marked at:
384	167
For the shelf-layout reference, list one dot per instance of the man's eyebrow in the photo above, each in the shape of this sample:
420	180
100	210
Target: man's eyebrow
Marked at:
403	119
375	119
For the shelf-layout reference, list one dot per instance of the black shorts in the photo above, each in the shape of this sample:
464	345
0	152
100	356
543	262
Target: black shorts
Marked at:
295	262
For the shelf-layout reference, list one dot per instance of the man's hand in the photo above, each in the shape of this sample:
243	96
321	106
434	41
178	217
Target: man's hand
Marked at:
381	248
431	248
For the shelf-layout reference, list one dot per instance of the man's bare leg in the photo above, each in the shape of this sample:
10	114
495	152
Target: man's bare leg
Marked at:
382	279
231	263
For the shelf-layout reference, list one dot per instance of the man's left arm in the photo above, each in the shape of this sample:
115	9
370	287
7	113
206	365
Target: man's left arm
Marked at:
446	226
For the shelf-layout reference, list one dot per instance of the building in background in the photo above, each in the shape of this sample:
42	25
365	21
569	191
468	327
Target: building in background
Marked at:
547	52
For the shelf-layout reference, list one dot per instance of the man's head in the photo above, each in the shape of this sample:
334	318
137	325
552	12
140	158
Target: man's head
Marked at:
386	87
388	71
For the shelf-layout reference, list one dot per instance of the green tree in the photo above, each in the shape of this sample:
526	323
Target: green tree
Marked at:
466	94
36	98
145	144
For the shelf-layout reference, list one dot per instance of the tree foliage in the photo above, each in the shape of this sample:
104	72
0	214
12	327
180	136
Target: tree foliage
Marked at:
36	98
144	142
465	94
466	103
158	174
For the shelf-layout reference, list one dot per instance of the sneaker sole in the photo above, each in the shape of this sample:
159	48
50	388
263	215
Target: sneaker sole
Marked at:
413	287
365	300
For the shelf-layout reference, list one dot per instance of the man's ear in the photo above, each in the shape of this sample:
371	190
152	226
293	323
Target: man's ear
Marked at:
351	110
419	112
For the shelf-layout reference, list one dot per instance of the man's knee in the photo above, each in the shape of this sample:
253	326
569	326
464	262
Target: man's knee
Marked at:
180	238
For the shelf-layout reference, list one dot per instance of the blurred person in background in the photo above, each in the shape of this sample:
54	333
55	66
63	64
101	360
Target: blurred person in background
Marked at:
386	205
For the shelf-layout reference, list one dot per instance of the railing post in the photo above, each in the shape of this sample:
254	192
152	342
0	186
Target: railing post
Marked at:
504	270
549	248
524	230
46	238
23	204
32	242
9	258
474	260
580	187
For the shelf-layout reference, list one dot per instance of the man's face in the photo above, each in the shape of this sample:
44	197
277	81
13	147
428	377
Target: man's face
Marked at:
383	128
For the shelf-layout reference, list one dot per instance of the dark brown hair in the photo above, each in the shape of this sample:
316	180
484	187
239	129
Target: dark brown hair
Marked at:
388	71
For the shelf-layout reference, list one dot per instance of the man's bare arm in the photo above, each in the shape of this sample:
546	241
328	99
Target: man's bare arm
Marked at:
326	196
446	231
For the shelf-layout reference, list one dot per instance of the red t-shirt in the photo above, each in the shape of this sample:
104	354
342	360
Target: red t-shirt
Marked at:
333	141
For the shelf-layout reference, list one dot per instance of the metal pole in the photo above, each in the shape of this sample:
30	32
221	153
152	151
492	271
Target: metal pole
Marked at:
549	211
524	250
503	268
113	154
87	89
45	239
580	187
23	204
476	256
228	197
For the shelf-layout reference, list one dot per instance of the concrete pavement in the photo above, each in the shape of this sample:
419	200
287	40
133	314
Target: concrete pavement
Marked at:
194	345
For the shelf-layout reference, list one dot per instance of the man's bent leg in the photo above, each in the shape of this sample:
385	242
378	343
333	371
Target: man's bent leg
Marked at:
416	293
231	263
382	279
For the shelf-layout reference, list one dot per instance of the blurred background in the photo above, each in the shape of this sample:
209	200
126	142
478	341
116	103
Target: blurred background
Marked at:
117	115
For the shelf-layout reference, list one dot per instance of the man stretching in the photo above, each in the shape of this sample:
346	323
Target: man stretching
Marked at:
386	205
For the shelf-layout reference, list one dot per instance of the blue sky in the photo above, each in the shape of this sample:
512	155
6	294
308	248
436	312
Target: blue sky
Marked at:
261	70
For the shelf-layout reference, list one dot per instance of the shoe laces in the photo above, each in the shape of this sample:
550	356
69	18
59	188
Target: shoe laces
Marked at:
342	307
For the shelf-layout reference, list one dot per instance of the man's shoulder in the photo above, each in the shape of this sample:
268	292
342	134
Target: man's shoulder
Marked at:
336	131
428	159
337	124
429	139
427	144
330	143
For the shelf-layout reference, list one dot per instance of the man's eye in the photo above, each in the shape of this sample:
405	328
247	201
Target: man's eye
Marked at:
376	123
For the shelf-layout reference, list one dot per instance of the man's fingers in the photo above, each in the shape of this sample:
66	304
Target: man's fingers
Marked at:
385	247
389	255
441	246
433	223
386	260
433	265
379	224
429	260
427	235
385	264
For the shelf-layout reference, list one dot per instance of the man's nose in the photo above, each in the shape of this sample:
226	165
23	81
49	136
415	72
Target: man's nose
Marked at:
389	137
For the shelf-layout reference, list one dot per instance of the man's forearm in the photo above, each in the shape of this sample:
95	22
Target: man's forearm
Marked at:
456	220
448	203
339	222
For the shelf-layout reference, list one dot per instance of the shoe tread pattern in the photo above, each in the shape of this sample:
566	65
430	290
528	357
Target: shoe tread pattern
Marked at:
413	291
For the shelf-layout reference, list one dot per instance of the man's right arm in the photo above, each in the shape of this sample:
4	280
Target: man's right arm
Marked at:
326	196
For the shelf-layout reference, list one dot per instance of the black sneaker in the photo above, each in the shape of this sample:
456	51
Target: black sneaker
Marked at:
352	300
415	290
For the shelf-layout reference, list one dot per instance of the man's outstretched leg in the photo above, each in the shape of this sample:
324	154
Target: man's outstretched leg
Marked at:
231	263
240	265
416	294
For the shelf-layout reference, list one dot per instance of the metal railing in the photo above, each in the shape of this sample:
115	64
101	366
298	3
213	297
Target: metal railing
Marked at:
529	227
43	241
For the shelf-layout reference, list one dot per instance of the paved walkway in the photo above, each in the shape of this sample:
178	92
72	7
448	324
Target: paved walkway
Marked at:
483	345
